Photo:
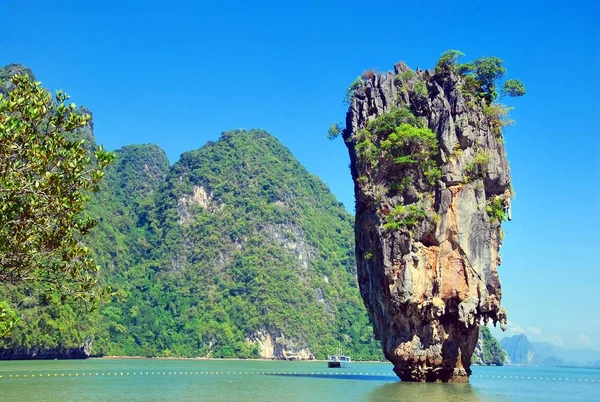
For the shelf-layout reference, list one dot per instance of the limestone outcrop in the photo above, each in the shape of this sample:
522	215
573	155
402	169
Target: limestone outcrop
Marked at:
274	345
432	186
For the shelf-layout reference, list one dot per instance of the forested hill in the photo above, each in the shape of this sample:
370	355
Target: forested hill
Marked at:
124	206
239	251
234	251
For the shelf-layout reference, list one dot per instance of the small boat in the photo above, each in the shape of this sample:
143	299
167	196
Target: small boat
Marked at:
339	361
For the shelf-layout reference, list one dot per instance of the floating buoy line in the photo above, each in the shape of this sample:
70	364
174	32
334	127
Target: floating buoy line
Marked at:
349	375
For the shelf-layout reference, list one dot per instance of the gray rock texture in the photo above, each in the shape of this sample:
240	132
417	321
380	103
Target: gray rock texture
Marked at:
427	288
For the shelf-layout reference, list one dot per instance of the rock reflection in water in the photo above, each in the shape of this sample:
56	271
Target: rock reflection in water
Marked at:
409	391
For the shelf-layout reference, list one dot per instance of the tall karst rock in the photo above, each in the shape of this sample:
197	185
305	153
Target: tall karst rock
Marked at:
432	186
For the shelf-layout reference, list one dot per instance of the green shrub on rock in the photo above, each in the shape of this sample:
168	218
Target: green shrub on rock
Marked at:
480	75
413	145
496	210
478	167
447	60
357	83
404	217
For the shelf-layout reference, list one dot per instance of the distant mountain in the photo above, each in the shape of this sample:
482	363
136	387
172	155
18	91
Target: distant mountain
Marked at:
568	357
521	351
518	350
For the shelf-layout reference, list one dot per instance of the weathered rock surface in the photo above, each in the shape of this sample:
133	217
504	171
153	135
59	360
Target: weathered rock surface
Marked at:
427	288
274	345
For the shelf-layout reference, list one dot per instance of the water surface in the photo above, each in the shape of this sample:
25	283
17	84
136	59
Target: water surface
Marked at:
238	380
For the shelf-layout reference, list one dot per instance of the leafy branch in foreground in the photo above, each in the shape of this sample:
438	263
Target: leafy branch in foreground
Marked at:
45	183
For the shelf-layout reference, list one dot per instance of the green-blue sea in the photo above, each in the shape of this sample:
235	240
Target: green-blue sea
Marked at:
242	380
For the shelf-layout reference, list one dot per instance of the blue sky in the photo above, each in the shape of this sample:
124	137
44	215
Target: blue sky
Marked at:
179	73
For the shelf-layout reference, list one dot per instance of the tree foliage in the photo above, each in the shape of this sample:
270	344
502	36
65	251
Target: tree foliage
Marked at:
482	75
448	60
486	70
513	87
352	88
401	137
496	209
46	177
334	131
404	217
478	167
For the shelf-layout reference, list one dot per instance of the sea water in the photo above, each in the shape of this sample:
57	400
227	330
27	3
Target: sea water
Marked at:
245	380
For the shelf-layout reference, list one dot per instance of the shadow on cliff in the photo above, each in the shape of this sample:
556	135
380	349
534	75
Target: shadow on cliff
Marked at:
408	391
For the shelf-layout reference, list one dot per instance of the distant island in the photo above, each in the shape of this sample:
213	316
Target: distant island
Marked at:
520	351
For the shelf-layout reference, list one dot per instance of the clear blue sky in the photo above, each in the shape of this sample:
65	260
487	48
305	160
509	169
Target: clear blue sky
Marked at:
178	73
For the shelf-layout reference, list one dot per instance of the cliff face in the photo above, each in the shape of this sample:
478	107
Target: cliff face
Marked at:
432	185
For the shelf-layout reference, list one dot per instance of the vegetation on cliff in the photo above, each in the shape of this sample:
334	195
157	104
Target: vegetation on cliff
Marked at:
235	251
480	75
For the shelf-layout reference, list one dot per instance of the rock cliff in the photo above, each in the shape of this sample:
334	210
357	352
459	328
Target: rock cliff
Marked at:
432	185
